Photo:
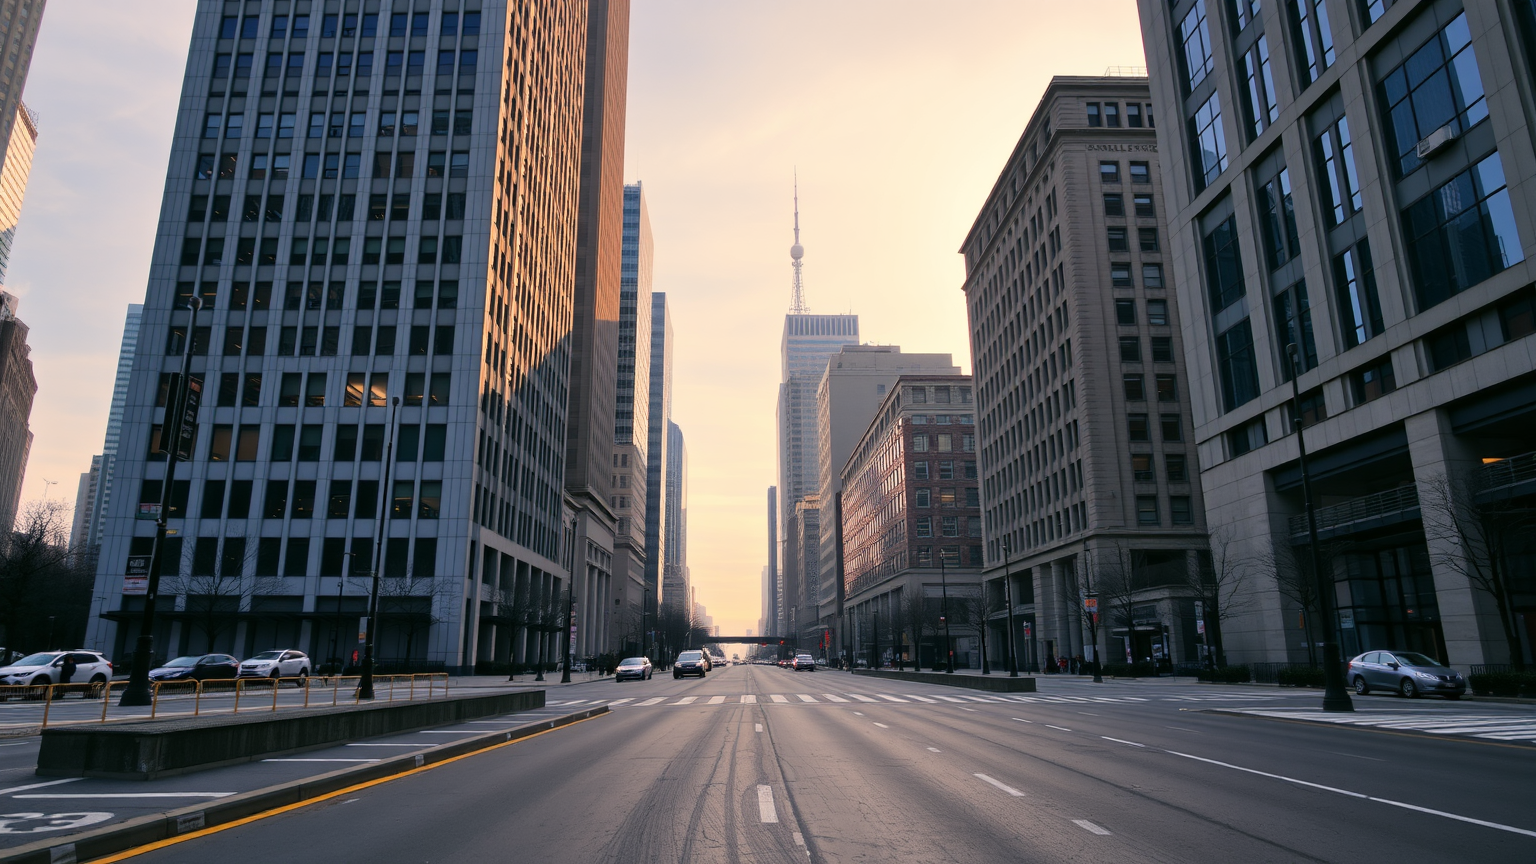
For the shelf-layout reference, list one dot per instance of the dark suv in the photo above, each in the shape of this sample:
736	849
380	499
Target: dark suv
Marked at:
690	663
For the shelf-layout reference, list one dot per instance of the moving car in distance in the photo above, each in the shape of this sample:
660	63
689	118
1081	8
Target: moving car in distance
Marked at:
638	668
46	667
197	667
276	664
806	662
1408	673
690	663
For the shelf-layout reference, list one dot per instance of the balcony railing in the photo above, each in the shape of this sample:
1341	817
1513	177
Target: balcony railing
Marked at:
1508	472
1358	514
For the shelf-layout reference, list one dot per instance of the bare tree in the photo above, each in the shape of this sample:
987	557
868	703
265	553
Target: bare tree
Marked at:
915	619
1106	575
973	611
413	605
1222	580
214	592
1291	568
1476	536
45	591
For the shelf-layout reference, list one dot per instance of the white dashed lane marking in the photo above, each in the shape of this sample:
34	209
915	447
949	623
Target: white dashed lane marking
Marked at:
1089	826
1001	785
765	808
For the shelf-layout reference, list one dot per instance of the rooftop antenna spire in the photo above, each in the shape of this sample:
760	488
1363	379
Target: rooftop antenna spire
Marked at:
796	252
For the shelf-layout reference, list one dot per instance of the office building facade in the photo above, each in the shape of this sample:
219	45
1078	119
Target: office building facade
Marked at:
1087	467
19	23
631	433
362	227
657	446
676	581
1353	179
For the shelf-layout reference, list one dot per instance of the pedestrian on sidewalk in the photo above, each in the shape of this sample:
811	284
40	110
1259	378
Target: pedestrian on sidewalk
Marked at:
1061	664
67	669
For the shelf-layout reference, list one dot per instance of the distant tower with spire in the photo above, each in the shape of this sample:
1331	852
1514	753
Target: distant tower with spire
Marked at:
796	252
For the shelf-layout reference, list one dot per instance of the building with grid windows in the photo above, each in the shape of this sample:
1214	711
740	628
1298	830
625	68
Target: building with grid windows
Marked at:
377	206
658	447
631	432
1352	178
1081	393
911	526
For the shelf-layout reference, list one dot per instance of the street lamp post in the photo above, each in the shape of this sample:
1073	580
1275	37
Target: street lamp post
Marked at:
1013	656
570	604
365	684
645	606
949	647
336	631
1335	696
172	429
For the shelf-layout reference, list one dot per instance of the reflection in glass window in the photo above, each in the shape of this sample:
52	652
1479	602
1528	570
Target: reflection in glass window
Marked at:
1437	86
1462	233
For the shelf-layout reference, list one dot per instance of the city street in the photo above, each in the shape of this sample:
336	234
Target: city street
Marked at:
761	764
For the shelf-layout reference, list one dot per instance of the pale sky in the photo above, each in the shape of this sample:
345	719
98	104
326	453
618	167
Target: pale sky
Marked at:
897	114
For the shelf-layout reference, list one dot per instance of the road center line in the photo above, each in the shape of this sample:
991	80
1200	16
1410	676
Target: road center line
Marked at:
765	809
1347	793
963	708
882	726
1121	741
1059	728
1089	826
1022	720
934	750
1090	714
1001	785
858	713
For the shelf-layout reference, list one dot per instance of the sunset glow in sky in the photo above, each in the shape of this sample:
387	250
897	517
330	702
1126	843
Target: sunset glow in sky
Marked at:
896	114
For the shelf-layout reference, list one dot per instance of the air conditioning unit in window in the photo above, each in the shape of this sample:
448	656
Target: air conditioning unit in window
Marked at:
1437	140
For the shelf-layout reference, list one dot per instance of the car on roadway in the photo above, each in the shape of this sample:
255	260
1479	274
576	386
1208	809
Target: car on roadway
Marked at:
638	668
280	663
690	663
197	667
47	667
1408	673
806	662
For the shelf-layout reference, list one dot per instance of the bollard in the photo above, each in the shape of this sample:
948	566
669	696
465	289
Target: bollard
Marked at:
154	701
238	688
277	684
197	698
106	699
47	703
411	696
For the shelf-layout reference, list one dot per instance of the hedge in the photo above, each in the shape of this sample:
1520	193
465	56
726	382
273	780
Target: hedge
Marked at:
1504	684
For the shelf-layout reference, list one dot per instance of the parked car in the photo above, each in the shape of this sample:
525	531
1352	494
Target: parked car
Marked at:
197	667
690	663
276	664
46	667
806	662
1406	672
638	668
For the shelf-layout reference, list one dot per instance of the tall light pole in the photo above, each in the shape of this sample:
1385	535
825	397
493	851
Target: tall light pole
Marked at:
570	610
645	605
1335	696
1013	657
182	401
949	648
365	684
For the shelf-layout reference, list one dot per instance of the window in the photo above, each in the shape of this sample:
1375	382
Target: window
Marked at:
1146	510
920	470
1141	468
919	443
1117	239
1094	118
1133	115
1180	511
1162	349
1517	315
1135	388
1210	150
1114	204
1260	107
1277	215
1112	114
1172	429
1125	313
1223	265
1293	326
1236	362
1147	239
1167	387
921	498
1373	381
1152	276
951	525
1109	172
1194	35
1141	172
1374	9
1144	208
924	526
1335	156
1461	233
1309	21
1438	86
1157	313
1313	409
1130	349
1175	468
1138	427
1355	281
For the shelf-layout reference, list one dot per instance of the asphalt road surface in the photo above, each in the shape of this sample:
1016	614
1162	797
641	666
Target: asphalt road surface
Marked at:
766	765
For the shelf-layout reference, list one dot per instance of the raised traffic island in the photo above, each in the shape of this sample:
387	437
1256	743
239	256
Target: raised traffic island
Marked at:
993	683
145	750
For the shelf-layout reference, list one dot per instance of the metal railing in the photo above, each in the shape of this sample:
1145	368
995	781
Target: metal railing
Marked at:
1508	472
1360	509
196	698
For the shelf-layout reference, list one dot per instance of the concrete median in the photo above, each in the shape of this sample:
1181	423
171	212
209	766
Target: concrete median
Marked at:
145	750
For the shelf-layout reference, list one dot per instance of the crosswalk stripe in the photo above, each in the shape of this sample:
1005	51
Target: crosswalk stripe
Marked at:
777	698
716	700
806	697
831	698
862	698
889	698
686	700
951	699
652	701
749	699
920	698
622	701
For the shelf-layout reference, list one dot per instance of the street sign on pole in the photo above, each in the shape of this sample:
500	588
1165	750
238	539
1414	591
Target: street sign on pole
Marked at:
136	576
186	433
